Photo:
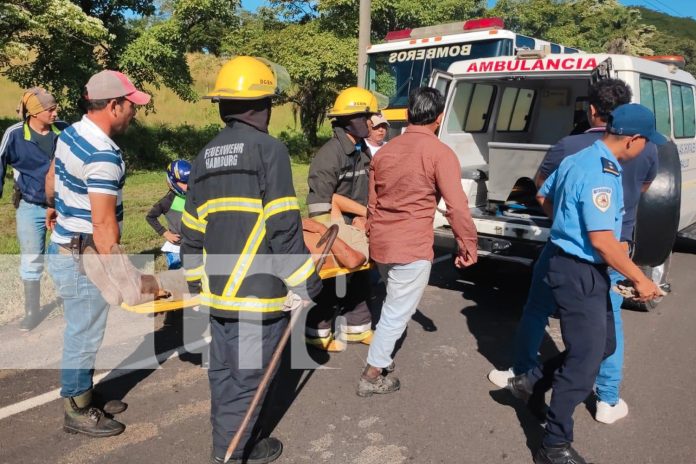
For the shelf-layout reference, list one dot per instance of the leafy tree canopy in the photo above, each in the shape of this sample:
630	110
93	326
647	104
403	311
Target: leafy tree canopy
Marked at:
59	44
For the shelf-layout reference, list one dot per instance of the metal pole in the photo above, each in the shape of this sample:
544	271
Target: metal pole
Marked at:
363	40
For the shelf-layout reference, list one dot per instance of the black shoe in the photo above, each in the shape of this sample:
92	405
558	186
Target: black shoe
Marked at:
520	386
561	454
89	420
108	406
32	305
265	451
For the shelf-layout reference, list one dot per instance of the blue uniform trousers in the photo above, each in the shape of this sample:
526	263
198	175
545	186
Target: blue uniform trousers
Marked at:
240	351
540	305
581	292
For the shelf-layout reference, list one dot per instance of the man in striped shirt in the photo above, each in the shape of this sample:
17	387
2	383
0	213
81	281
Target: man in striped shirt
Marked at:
87	180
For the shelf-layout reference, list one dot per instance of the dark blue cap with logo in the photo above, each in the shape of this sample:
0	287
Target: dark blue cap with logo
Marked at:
635	119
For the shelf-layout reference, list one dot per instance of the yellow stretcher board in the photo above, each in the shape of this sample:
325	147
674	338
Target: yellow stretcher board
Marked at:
160	306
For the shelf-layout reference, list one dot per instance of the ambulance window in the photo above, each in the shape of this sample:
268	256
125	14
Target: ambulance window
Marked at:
470	109
555	48
570	50
683	111
515	108
522	41
689	112
654	95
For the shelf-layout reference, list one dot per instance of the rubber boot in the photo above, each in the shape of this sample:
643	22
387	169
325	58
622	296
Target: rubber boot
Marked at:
329	344
32	305
80	417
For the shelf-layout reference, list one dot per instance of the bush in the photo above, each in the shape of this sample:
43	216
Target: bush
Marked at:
153	147
301	151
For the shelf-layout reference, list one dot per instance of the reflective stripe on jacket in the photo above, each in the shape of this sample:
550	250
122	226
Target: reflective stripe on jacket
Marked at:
242	243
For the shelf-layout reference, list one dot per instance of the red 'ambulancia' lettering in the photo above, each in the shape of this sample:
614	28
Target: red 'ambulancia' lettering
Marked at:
472	68
538	64
486	67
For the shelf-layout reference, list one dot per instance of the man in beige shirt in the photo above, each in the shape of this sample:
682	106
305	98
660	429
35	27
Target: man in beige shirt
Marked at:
406	181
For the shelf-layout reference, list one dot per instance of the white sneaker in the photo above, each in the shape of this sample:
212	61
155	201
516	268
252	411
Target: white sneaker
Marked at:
608	414
500	378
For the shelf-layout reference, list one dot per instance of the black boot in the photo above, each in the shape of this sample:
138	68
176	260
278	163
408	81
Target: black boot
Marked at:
32	305
265	450
561	454
80	417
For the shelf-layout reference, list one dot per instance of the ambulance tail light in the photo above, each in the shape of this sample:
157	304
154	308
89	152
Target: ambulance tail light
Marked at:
484	23
398	35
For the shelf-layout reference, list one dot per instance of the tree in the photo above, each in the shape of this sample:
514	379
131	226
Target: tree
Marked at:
591	25
65	42
317	42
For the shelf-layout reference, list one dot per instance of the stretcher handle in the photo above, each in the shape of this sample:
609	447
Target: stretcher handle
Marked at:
329	238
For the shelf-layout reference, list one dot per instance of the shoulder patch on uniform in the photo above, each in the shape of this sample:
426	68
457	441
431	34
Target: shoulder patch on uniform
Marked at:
601	197
610	167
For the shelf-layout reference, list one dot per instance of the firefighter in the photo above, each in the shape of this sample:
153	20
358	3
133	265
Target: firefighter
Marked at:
240	215
341	167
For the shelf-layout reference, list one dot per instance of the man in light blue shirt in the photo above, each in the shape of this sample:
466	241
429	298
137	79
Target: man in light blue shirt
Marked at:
584	196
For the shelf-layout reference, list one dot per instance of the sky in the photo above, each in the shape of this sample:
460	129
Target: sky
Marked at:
670	7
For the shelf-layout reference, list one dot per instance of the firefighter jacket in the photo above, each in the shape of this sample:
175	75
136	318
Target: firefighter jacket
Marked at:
242	243
338	167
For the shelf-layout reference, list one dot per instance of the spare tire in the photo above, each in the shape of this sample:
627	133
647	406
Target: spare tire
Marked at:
657	220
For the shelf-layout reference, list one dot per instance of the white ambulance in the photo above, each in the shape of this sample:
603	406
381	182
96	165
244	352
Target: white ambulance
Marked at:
502	116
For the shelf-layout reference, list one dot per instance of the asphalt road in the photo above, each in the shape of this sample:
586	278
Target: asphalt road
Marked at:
446	412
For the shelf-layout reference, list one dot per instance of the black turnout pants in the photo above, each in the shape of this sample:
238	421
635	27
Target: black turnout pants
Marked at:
240	351
581	291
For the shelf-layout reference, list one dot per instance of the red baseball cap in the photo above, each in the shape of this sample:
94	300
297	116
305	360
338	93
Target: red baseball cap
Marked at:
109	84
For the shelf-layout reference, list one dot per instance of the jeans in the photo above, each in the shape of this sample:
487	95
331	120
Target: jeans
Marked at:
535	316
173	260
405	286
610	371
85	313
530	330
31	233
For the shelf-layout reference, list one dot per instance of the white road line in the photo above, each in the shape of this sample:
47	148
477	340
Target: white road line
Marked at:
149	363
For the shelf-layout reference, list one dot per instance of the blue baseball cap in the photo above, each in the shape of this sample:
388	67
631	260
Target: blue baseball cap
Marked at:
634	119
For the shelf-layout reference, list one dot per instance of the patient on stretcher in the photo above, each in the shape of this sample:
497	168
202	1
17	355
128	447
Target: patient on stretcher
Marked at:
350	250
121	282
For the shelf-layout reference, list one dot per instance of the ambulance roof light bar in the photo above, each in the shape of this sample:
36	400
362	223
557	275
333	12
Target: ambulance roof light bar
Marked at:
446	29
674	60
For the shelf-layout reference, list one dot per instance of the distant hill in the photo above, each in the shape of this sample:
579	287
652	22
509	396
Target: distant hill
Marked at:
672	25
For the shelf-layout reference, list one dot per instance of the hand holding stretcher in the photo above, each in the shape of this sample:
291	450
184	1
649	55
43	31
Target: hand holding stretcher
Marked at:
121	283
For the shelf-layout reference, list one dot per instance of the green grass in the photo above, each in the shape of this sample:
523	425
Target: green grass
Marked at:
142	190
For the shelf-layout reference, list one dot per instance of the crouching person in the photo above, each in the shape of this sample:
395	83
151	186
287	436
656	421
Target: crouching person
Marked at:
88	177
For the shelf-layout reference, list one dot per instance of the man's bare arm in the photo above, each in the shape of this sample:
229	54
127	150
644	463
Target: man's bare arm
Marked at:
546	204
341	204
104	222
539	179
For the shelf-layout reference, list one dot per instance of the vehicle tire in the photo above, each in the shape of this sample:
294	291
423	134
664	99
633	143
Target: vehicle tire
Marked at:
660	275
657	220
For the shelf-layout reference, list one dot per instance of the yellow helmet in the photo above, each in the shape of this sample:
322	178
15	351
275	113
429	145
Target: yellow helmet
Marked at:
244	78
354	100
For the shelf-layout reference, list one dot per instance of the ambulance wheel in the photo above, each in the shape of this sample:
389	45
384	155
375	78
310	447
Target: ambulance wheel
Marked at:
657	220
660	275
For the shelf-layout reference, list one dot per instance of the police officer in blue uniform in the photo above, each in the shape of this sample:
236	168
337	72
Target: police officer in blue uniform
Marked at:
584	196
637	174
